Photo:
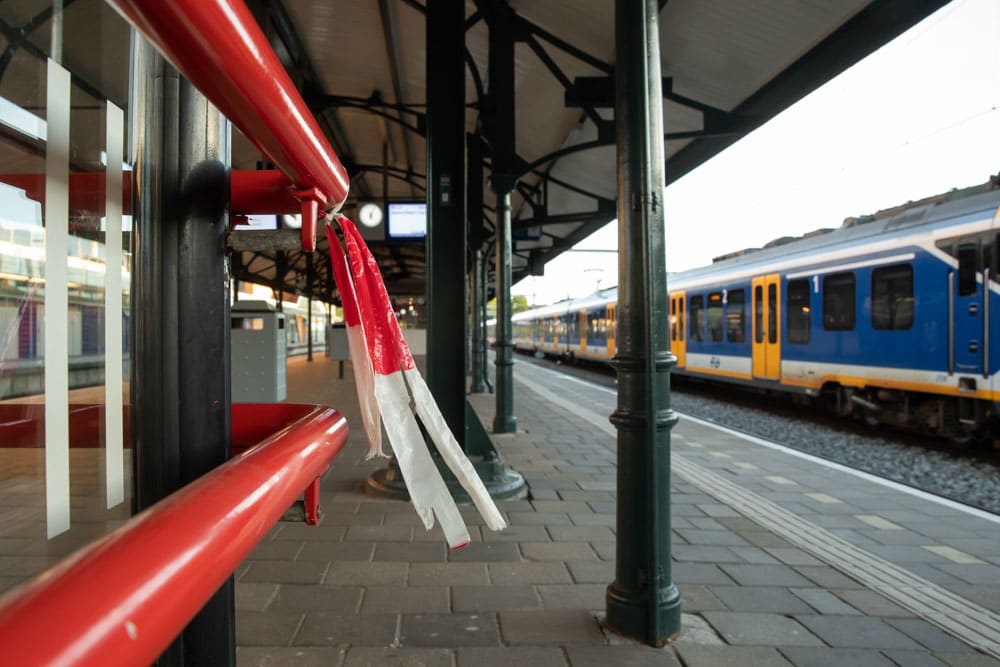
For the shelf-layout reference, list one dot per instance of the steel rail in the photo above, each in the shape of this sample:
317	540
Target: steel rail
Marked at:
218	46
123	599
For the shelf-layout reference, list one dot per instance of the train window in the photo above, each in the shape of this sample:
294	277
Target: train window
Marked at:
758	314
673	319
799	311
680	321
892	297
772	313
968	264
736	329
715	317
697	318
838	302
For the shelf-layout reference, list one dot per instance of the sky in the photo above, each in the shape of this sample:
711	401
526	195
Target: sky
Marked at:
916	118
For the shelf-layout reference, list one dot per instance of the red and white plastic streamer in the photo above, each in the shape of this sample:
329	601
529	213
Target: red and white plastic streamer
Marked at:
396	378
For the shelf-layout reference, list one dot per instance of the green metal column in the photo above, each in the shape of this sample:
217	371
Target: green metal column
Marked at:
477	386
504	421
446	333
642	601
474	207
499	125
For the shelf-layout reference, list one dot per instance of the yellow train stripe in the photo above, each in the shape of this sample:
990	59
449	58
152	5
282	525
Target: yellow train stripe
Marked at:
852	381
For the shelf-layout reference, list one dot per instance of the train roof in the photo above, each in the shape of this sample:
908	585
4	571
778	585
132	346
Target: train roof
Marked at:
953	208
570	305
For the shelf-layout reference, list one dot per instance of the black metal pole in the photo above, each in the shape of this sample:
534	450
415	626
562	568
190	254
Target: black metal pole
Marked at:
203	334
180	372
642	601
446	331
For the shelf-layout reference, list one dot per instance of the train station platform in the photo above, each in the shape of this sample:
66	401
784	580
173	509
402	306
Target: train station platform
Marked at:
780	559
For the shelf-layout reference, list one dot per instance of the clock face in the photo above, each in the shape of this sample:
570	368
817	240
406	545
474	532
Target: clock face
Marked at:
370	214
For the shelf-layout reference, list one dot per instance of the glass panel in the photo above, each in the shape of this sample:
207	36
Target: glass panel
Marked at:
680	325
892	297
772	313
42	424
968	265
799	311
697	318
758	314
715	317
838	302
736	317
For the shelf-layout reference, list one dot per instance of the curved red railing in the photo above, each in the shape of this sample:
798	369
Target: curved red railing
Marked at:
125	597
218	46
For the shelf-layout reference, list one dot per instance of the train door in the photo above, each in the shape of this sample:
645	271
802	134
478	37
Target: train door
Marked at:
967	311
678	345
766	326
583	331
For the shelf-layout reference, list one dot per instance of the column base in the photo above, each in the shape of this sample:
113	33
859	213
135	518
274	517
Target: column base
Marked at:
629	614
504	424
501	482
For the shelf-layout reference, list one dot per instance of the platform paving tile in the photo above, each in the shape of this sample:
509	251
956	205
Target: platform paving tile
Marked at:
415	600
804	656
587	572
276	550
967	660
304	598
621	656
348	573
254	628
573	596
760	598
700	554
453	574
494	598
581	533
254	596
327	551
558	551
764	575
929	636
912	658
871	603
522	518
824	602
398	657
518	533
449	630
827	577
856	632
604	550
414	552
550	626
490	552
754	629
507	656
285	572
283	656
334	629
697	599
514	573
695	655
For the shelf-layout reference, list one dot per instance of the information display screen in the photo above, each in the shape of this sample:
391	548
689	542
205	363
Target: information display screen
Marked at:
407	220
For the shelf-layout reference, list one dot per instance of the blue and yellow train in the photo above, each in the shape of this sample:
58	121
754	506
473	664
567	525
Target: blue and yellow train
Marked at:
892	317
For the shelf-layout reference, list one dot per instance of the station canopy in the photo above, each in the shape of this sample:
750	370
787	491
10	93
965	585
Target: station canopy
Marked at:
728	66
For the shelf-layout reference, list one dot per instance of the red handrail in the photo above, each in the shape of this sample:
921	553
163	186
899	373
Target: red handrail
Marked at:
124	598
218	46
